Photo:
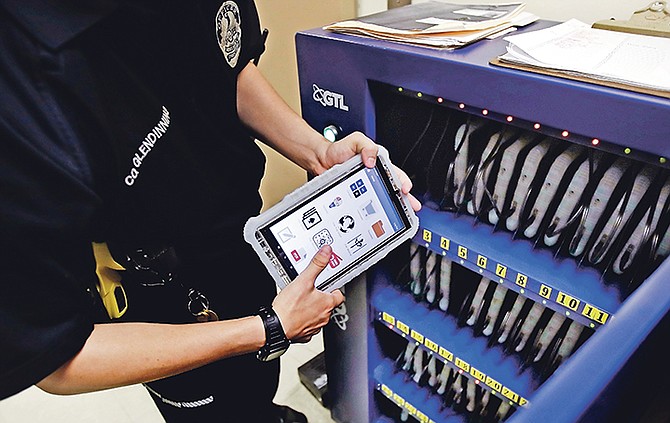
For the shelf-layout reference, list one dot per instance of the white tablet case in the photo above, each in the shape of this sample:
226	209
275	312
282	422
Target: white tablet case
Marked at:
267	256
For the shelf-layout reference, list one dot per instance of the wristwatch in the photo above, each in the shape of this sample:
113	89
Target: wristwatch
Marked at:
276	342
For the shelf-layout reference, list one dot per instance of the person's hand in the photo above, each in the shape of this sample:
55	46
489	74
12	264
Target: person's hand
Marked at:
355	143
302	309
346	148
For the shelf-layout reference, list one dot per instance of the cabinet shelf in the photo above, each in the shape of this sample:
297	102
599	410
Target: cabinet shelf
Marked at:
561	285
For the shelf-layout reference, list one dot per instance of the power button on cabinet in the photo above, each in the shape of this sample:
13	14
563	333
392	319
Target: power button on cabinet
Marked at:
332	132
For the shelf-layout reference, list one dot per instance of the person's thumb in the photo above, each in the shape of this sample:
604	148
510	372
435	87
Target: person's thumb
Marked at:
318	263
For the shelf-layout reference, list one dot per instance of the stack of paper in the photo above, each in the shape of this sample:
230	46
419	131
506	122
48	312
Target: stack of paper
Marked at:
438	24
574	48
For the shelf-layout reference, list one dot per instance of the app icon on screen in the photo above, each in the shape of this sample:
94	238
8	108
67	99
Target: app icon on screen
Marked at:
346	223
354	245
378	228
335	260
358	188
298	254
337	201
323	237
311	218
286	235
368	210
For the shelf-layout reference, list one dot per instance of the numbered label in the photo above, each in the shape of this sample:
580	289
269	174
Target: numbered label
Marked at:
462	364
509	394
402	327
493	384
477	374
430	345
595	314
410	408
444	243
462	252
422	417
446	354
501	270
388	318
545	291
417	336
566	300
521	280
481	261
427	235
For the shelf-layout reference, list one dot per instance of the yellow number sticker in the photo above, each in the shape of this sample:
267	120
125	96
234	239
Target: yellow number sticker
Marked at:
427	235
416	336
570	302
501	270
462	364
481	261
402	327
509	394
521	279
493	384
462	252
410	408
430	345
422	417
444	243
388	318
477	374
595	314
445	353
523	401
545	291
398	400
386	391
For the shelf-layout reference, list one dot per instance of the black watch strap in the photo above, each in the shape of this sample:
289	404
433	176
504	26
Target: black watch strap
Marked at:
276	342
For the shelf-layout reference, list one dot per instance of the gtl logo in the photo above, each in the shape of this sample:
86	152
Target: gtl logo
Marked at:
329	98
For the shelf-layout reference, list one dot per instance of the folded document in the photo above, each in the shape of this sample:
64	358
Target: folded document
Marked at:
574	48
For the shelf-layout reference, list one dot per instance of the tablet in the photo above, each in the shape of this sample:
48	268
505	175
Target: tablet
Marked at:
360	212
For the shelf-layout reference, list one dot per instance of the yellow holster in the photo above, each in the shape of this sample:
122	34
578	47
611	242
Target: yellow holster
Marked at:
109	281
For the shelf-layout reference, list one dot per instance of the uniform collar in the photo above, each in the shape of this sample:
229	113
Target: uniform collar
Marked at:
55	22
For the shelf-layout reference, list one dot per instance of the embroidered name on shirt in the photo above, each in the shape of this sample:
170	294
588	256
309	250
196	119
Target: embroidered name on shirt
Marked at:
147	145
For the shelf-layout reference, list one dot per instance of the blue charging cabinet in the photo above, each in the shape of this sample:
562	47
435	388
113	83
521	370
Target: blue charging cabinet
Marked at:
620	371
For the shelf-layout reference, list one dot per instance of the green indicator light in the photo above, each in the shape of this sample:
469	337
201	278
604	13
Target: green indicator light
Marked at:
400	89
662	160
419	95
331	133
627	150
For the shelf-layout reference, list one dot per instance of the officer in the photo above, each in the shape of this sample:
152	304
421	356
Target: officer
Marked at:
127	133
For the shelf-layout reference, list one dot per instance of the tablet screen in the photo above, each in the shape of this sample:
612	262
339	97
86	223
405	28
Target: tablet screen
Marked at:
355	215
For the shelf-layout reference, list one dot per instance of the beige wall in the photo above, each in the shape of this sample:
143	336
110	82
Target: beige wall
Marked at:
284	18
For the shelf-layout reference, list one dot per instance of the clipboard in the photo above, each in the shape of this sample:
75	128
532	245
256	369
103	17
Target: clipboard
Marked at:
580	78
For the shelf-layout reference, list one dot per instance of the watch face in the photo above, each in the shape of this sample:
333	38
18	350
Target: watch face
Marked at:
272	355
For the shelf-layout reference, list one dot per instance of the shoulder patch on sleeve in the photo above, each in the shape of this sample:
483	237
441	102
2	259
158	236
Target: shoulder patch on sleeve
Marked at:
229	31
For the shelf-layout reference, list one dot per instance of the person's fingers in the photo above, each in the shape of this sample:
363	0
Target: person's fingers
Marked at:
406	187
414	203
338	297
356	143
318	263
369	155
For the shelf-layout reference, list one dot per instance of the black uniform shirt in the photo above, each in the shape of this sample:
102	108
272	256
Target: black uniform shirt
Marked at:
118	122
